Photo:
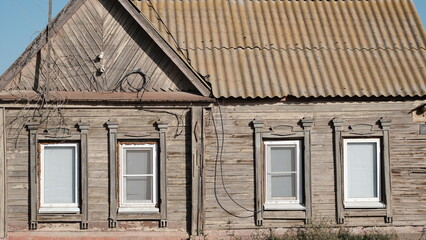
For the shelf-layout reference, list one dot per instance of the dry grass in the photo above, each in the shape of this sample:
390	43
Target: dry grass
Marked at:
326	231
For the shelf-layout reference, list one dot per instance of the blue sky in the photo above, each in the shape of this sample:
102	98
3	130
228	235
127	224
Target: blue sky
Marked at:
21	21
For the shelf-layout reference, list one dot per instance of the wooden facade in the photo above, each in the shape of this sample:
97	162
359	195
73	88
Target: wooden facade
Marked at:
114	80
407	160
196	199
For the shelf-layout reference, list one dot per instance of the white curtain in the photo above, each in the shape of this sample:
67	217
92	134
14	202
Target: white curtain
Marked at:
59	175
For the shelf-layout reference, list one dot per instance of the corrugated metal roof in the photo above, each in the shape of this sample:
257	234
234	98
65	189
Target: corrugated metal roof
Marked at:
275	48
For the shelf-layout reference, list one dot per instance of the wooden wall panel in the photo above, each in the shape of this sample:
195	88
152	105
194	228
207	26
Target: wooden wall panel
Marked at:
408	159
3	184
134	121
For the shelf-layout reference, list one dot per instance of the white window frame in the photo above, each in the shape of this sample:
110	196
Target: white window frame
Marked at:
129	207
59	207
282	204
362	202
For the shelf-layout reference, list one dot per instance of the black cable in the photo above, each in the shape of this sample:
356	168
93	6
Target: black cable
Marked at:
119	84
179	120
219	154
150	5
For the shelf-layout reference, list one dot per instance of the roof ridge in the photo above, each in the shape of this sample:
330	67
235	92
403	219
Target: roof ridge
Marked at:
304	48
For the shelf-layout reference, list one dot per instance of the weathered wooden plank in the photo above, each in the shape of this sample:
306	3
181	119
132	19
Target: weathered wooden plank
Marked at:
3	179
59	218
363	213
84	159
284	215
197	210
258	127
32	128
113	175
144	23
162	127
337	125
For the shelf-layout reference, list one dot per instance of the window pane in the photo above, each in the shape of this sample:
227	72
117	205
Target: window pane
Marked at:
138	188
283	159
138	162
362	170
59	175
283	186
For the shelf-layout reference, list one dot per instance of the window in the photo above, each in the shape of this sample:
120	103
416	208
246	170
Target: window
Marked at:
283	173
363	177
138	178
362	173
59	178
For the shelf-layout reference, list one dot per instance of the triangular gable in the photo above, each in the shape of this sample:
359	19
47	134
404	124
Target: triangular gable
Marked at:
130	46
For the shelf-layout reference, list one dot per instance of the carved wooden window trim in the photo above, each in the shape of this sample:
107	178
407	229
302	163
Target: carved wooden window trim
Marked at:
34	139
282	132
362	131
115	138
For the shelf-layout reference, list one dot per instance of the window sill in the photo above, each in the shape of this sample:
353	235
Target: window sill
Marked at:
284	207
138	210
58	210
364	205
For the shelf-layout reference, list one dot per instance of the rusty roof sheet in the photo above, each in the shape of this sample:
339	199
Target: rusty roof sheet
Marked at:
174	97
276	48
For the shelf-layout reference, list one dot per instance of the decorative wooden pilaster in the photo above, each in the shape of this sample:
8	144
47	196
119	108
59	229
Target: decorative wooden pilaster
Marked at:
385	125
338	127
32	129
113	175
197	161
84	130
258	126
162	128
307	126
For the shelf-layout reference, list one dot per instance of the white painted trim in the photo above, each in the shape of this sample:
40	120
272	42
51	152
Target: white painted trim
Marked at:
146	209
130	207
362	202
364	205
280	203
284	206
59	206
58	210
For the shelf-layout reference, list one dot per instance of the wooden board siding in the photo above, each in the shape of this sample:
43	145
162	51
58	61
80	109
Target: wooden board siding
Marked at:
2	175
133	121
102	26
408	160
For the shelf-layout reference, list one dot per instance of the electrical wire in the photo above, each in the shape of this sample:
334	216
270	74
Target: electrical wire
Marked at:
22	12
39	6
179	120
150	5
219	154
119	84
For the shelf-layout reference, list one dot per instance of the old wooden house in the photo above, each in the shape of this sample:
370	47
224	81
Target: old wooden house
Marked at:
178	118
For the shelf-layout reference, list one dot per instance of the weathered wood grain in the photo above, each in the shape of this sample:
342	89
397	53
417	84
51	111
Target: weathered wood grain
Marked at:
406	157
407	161
95	27
3	183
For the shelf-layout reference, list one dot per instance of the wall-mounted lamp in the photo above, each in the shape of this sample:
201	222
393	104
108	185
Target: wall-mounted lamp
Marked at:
100	57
